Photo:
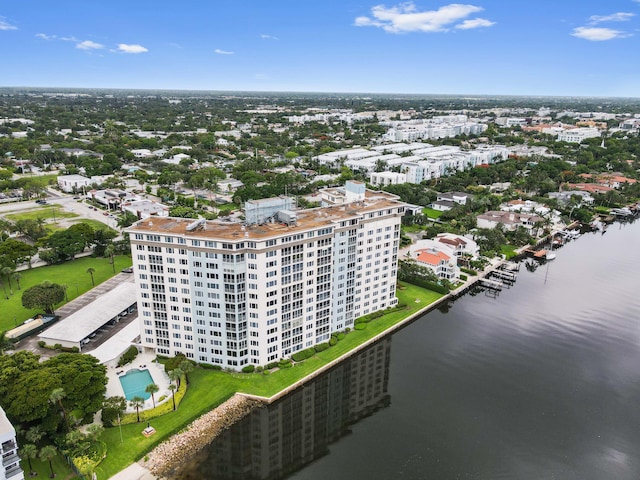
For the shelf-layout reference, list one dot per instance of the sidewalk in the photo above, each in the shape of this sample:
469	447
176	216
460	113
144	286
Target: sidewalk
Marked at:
135	471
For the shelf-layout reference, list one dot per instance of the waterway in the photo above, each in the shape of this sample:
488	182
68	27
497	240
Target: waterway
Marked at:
542	382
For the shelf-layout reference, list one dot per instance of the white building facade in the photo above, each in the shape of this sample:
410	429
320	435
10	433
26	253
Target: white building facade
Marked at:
234	294
10	460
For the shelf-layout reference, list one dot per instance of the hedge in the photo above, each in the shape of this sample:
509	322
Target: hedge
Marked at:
321	347
128	356
303	354
161	409
248	369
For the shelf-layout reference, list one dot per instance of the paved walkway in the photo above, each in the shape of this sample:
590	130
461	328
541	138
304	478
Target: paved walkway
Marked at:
135	471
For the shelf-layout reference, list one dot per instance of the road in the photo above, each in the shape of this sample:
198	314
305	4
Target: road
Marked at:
58	200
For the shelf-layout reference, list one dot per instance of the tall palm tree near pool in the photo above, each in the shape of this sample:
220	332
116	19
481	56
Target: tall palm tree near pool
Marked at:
91	271
137	403
173	388
175	375
48	453
186	366
152	388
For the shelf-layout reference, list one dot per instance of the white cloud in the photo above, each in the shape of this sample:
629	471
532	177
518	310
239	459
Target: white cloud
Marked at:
405	17
133	48
223	52
44	36
89	45
614	17
596	34
268	37
475	23
4	25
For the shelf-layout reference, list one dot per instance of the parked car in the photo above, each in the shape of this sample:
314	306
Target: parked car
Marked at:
127	270
41	201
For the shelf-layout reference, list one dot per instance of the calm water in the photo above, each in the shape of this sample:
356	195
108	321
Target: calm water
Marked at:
542	382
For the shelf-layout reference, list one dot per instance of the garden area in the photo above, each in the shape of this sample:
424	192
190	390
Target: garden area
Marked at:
73	274
209	388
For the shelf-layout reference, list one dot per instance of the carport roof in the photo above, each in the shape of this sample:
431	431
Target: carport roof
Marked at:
90	318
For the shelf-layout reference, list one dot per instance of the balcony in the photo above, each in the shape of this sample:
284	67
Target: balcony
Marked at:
12	472
9	459
8	446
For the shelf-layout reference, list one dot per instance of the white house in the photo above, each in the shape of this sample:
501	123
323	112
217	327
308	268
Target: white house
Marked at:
459	244
442	262
387	178
73	183
510	220
448	200
145	208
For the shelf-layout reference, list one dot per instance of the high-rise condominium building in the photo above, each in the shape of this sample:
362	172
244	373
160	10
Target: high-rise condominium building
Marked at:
234	293
10	461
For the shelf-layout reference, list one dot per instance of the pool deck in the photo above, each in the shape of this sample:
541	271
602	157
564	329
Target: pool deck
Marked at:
141	362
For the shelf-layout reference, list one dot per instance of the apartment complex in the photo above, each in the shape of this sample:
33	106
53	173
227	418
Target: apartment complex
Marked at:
10	460
252	292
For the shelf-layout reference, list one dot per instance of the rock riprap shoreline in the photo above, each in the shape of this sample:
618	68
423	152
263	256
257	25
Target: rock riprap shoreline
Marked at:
174	452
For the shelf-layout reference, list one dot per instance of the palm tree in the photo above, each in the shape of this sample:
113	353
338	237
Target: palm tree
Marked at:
7	271
56	396
48	453
173	388
109	252
152	388
17	277
186	366
34	434
175	375
94	431
137	403
29	451
91	271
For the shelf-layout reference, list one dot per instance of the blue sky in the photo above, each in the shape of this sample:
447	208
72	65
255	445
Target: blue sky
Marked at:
509	47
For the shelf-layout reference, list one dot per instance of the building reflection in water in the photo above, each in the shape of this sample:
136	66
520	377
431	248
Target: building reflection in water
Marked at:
279	439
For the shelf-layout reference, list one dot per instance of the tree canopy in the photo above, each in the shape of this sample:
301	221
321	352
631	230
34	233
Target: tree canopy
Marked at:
45	296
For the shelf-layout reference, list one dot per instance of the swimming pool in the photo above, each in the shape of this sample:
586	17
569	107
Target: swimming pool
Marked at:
134	382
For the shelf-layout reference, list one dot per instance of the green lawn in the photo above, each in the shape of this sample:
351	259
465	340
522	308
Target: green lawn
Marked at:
209	388
509	251
413	228
431	213
46	212
60	467
74	274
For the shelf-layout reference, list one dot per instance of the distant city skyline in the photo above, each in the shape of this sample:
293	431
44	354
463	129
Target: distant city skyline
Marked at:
485	47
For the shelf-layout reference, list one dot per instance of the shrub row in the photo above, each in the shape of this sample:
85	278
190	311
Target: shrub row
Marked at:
160	409
58	347
420	282
128	356
468	271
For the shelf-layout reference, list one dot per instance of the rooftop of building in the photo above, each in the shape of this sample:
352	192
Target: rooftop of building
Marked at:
308	219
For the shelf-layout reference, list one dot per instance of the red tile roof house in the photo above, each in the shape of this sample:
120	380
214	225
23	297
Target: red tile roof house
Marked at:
443	265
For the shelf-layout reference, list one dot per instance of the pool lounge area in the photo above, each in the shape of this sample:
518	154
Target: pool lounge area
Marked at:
131	380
